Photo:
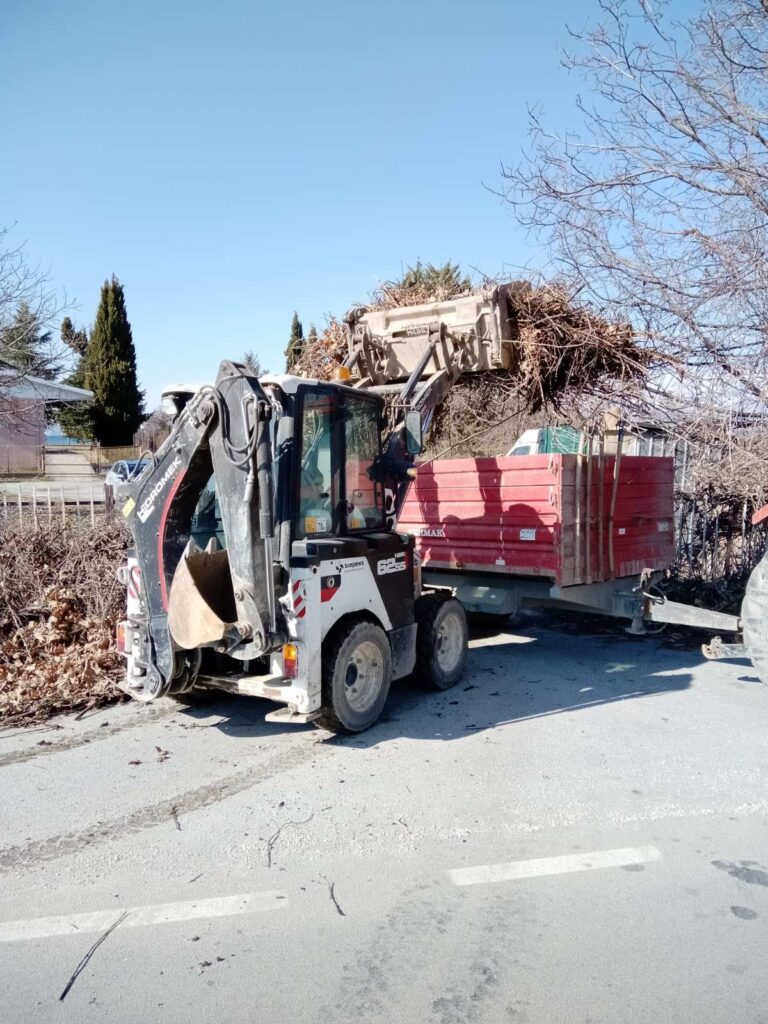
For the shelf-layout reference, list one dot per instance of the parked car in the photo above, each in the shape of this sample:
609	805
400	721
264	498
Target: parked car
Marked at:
124	470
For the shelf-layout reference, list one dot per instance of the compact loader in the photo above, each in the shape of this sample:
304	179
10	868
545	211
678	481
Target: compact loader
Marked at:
266	554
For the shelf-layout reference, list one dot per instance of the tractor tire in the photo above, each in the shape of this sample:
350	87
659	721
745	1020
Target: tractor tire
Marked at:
441	641
357	671
754	617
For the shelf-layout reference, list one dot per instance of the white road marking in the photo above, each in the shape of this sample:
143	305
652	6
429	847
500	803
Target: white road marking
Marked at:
518	869
158	913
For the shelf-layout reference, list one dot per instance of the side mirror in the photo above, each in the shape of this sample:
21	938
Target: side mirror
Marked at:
414	439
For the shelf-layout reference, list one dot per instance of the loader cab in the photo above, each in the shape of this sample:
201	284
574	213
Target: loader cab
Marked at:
326	488
337	442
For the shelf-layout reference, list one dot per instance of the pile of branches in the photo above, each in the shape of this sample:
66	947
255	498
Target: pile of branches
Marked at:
59	605
564	349
322	355
564	352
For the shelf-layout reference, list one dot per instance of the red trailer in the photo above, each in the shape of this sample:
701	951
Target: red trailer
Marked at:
588	533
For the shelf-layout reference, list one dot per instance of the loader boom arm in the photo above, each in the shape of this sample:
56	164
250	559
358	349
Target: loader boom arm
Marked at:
224	599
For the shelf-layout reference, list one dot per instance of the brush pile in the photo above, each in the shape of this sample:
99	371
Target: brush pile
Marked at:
564	349
561	348
59	604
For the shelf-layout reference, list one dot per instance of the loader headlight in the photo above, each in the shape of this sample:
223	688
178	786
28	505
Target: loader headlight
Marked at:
290	661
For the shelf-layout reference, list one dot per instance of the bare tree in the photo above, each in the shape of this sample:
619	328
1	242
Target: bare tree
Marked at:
29	308
658	206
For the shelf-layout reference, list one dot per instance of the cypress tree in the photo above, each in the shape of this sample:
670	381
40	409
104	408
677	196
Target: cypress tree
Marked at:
110	370
295	343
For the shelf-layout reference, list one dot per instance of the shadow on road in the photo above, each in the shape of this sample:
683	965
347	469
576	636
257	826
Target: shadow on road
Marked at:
529	673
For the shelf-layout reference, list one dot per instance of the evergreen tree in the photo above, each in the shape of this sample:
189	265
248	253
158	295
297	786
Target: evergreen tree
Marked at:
110	370
443	280
312	336
252	363
76	340
76	420
295	343
25	345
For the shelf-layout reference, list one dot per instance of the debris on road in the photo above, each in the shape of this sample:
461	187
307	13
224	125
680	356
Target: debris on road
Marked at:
332	893
274	837
84	962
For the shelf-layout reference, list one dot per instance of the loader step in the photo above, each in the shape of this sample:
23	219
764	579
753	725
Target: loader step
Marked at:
289	717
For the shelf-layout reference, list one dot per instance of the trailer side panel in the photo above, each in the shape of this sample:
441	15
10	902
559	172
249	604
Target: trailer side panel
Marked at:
544	516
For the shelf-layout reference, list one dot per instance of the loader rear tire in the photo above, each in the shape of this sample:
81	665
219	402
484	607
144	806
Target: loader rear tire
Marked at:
357	671
441	640
754	617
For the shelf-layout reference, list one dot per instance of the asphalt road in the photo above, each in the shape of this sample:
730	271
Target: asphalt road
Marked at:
578	832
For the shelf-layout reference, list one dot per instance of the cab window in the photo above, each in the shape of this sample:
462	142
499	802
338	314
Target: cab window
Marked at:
365	503
317	497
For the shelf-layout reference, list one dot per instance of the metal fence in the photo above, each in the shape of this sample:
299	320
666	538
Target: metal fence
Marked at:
50	505
715	537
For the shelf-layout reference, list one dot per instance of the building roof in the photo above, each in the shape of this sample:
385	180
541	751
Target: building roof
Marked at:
35	387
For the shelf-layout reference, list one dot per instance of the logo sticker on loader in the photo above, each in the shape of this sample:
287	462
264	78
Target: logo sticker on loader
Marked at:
399	563
328	587
147	506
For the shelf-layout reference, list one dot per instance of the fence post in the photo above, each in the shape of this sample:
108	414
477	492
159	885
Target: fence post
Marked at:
63	506
90	488
34	507
49	506
20	511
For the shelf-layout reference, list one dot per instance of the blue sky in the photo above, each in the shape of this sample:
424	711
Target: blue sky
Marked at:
232	162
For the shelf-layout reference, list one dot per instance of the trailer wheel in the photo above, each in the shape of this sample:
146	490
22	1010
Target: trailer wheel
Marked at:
754	617
441	640
357	671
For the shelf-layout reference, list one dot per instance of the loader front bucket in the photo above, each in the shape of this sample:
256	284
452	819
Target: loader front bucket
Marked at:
476	333
201	603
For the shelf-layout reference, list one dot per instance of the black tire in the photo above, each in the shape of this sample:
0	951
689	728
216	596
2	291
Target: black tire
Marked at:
357	652
197	697
440	618
754	617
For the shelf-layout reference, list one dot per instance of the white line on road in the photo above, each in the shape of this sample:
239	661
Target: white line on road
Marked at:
517	869
158	913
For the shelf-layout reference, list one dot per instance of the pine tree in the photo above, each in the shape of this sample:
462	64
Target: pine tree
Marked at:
295	343
76	340
252	363
76	420
312	336
110	370
26	345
